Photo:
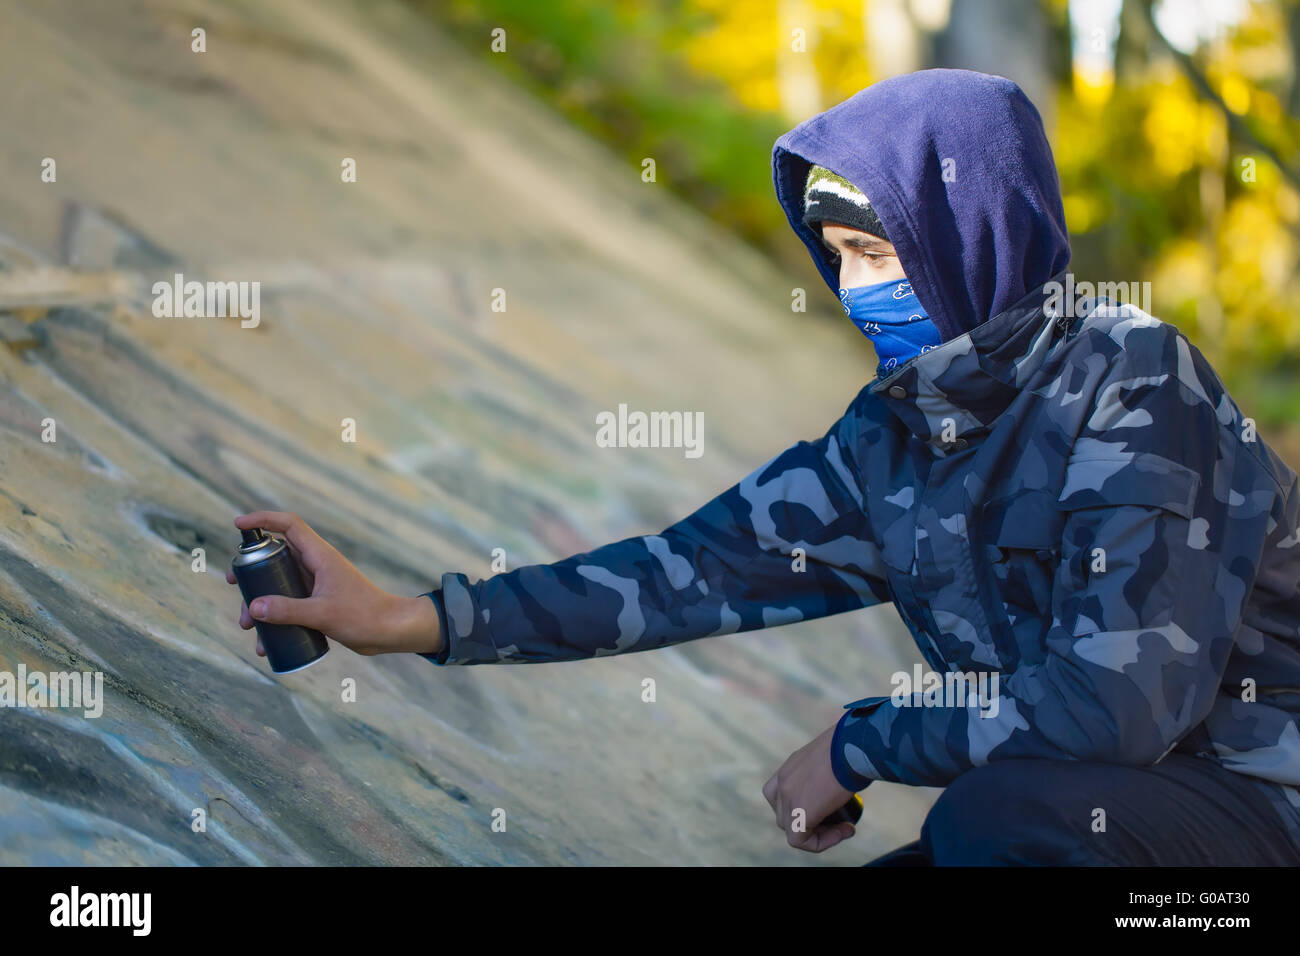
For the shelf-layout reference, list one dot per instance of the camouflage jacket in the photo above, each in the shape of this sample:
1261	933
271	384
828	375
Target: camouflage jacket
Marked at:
1075	504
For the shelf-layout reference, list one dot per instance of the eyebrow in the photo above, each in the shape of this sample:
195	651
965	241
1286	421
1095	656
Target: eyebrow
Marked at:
859	242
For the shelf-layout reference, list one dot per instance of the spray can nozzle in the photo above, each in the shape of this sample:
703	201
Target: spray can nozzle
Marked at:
253	536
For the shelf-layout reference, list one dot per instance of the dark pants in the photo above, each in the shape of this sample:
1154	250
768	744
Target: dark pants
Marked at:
1183	811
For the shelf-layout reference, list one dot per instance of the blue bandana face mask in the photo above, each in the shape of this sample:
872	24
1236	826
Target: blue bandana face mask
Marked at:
889	314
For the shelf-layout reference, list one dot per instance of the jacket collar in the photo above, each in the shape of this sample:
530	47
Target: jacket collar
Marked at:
972	378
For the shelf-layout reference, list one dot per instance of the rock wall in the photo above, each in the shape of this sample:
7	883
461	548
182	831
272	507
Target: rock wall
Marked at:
475	430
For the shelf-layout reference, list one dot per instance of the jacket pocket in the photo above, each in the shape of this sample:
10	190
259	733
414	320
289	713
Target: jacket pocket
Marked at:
1019	539
1022	535
1125	547
1134	478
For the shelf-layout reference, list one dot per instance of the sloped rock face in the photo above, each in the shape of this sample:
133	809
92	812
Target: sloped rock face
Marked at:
129	440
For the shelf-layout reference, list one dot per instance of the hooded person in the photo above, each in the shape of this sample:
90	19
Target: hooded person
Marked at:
1083	463
1054	493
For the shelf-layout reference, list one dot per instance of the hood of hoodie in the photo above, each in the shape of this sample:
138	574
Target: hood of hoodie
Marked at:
958	167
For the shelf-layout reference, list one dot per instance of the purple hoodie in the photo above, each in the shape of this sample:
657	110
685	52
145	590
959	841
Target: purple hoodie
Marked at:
957	165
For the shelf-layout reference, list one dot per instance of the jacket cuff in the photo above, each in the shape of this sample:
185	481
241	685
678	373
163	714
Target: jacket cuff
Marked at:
439	658
466	635
849	778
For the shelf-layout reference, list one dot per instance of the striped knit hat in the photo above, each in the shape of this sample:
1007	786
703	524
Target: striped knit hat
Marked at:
829	197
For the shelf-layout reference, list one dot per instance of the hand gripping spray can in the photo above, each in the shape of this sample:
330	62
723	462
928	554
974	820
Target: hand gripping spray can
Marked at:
851	812
264	565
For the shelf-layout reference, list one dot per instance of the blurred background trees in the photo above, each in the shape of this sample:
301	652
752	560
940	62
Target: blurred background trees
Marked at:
1174	124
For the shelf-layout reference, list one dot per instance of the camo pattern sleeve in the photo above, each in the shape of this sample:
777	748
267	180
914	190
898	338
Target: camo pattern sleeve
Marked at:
1166	517
790	542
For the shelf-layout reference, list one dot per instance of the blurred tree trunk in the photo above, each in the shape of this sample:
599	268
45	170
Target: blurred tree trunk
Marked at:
1293	35
1010	38
1133	46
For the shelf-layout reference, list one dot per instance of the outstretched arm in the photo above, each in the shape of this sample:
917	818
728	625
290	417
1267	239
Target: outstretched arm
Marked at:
790	542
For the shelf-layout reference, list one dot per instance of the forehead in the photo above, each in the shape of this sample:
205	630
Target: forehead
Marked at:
835	230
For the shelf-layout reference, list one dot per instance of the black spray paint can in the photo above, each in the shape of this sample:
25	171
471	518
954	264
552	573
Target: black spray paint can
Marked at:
264	565
851	812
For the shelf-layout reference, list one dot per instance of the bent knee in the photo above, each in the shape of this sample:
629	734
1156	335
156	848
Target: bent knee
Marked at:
1005	813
